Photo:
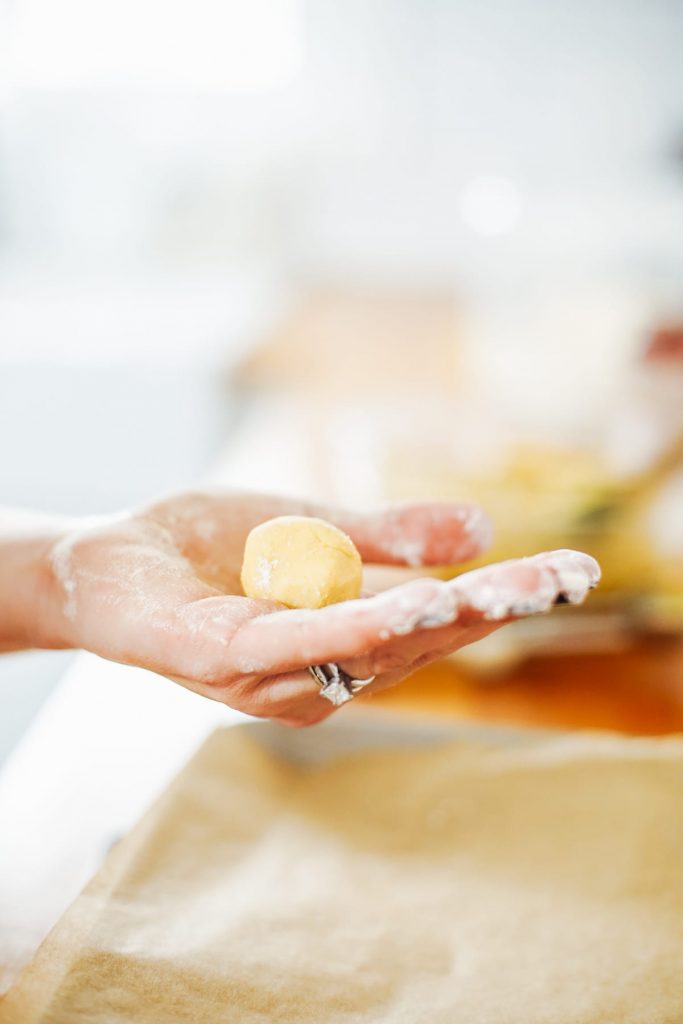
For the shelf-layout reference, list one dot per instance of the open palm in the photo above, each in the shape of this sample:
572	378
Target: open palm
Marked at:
160	589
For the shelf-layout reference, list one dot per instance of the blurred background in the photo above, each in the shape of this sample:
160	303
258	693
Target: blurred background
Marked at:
371	250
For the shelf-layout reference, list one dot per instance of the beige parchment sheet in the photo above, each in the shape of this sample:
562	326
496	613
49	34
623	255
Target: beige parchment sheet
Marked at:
482	885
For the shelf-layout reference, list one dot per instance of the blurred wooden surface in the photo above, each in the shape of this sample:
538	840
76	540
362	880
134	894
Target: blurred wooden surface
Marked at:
345	343
639	691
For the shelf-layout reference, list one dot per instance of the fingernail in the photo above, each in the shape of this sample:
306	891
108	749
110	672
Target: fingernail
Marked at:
530	606
573	584
575	574
570	561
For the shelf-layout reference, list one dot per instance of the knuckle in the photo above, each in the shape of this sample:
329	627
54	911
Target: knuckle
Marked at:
388	661
215	677
426	659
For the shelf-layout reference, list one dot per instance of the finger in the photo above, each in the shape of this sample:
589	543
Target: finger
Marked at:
293	699
527	586
486	599
287	640
418	534
396	660
208	525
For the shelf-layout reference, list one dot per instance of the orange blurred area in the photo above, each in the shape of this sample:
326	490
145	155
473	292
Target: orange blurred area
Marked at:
638	692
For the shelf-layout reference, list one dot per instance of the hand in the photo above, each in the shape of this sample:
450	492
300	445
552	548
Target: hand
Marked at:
160	589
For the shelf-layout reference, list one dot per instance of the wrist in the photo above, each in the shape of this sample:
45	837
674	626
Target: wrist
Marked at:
31	614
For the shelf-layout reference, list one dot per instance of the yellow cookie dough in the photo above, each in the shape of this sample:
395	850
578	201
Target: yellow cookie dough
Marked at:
301	562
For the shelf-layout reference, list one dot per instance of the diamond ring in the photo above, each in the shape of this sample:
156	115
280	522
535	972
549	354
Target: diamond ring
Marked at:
336	685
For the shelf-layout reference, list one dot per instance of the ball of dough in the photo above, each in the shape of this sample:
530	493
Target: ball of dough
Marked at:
301	562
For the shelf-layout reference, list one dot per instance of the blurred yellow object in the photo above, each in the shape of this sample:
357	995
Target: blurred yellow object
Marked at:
541	497
342	342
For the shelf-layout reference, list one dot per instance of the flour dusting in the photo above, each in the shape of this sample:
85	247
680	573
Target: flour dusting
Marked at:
264	572
408	550
61	560
206	529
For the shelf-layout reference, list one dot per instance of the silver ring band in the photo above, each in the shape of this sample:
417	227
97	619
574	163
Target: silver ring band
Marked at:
336	685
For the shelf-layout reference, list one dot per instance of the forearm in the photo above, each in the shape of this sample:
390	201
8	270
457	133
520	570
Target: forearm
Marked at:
29	607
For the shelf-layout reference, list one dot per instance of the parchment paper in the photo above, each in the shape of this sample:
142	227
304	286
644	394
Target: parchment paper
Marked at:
537	883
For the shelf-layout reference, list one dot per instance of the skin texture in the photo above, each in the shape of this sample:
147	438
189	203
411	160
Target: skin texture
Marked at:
159	588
